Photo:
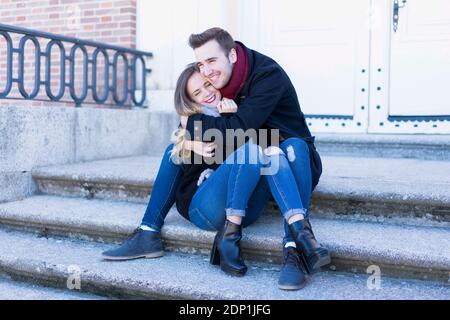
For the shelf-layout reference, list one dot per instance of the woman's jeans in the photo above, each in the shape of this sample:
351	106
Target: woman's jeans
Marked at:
231	188
229	191
225	192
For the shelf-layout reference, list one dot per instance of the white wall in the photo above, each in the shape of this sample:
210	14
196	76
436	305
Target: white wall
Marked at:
164	28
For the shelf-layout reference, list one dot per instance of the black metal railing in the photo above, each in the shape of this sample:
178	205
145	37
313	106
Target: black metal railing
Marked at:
101	49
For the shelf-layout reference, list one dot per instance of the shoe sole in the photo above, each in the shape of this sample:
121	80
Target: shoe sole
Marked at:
233	272
323	261
147	256
290	287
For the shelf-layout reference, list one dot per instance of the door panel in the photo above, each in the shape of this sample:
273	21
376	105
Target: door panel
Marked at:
410	76
324	48
420	60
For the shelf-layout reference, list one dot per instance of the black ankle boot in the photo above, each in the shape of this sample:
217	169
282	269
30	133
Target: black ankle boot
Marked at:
314	254
226	250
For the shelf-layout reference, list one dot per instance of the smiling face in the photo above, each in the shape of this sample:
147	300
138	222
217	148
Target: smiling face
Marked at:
214	64
201	91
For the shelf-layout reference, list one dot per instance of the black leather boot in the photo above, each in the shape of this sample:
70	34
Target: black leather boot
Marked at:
226	250
314	254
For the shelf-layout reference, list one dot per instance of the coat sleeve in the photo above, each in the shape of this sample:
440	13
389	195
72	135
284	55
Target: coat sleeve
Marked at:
266	90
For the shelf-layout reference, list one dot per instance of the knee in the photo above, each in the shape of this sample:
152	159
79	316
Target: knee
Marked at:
250	154
294	148
169	149
273	151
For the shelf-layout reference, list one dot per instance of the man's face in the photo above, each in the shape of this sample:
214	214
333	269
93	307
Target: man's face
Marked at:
214	64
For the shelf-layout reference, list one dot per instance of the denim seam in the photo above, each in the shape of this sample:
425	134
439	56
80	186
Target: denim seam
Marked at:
235	182
203	217
280	192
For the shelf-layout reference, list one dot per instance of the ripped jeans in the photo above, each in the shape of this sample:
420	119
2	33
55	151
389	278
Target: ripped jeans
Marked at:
290	186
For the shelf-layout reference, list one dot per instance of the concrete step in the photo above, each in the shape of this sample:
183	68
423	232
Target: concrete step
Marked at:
52	261
401	251
426	147
417	146
401	190
14	290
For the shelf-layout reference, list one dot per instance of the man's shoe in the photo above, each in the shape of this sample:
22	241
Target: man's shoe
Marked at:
292	275
141	244
226	250
314	254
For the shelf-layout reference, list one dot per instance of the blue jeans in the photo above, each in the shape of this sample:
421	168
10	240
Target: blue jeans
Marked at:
225	192
290	186
163	192
229	191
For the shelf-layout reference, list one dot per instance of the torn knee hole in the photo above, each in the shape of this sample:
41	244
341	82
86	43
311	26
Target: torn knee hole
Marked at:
272	151
291	153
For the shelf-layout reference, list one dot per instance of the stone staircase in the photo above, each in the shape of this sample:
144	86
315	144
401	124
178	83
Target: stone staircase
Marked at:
392	213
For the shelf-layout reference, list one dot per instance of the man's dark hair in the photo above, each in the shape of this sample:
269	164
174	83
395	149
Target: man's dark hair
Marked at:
224	39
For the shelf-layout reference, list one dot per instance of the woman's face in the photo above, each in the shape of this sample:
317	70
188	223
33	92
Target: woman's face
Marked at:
201	91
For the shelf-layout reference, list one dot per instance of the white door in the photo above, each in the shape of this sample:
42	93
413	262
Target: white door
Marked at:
410	79
324	48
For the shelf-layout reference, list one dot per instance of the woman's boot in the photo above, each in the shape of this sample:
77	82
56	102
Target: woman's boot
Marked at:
314	254
226	250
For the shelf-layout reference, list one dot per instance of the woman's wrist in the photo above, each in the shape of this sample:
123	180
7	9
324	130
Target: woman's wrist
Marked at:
187	145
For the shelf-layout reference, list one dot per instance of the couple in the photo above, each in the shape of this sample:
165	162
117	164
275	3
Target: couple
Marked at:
233	87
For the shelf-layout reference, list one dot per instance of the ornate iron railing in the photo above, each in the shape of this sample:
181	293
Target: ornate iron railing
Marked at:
110	85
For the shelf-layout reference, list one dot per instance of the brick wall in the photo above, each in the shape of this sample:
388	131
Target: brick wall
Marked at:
109	21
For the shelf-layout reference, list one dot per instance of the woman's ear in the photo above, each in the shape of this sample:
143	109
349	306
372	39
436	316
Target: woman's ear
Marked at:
232	56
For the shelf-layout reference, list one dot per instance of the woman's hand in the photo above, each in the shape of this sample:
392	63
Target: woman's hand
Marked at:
227	106
205	149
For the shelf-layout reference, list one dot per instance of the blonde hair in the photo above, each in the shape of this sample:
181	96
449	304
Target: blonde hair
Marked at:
184	106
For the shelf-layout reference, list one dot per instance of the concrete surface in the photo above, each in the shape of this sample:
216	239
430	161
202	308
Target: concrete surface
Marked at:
42	136
418	146
420	252
182	276
14	290
349	186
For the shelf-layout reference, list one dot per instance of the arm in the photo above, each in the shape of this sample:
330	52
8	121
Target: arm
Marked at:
266	91
205	149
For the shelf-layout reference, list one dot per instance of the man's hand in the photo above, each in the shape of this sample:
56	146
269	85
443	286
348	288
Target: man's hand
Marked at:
205	149
184	120
227	106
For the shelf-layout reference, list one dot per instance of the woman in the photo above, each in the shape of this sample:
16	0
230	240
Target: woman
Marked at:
192	185
215	195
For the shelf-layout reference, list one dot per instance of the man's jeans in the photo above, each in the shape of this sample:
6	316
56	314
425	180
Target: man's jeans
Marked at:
290	187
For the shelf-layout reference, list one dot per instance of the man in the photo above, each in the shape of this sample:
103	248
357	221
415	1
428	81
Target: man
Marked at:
266	100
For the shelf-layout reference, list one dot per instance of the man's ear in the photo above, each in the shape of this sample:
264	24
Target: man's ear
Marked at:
232	56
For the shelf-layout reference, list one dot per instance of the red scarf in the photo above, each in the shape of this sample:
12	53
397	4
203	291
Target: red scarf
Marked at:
238	75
